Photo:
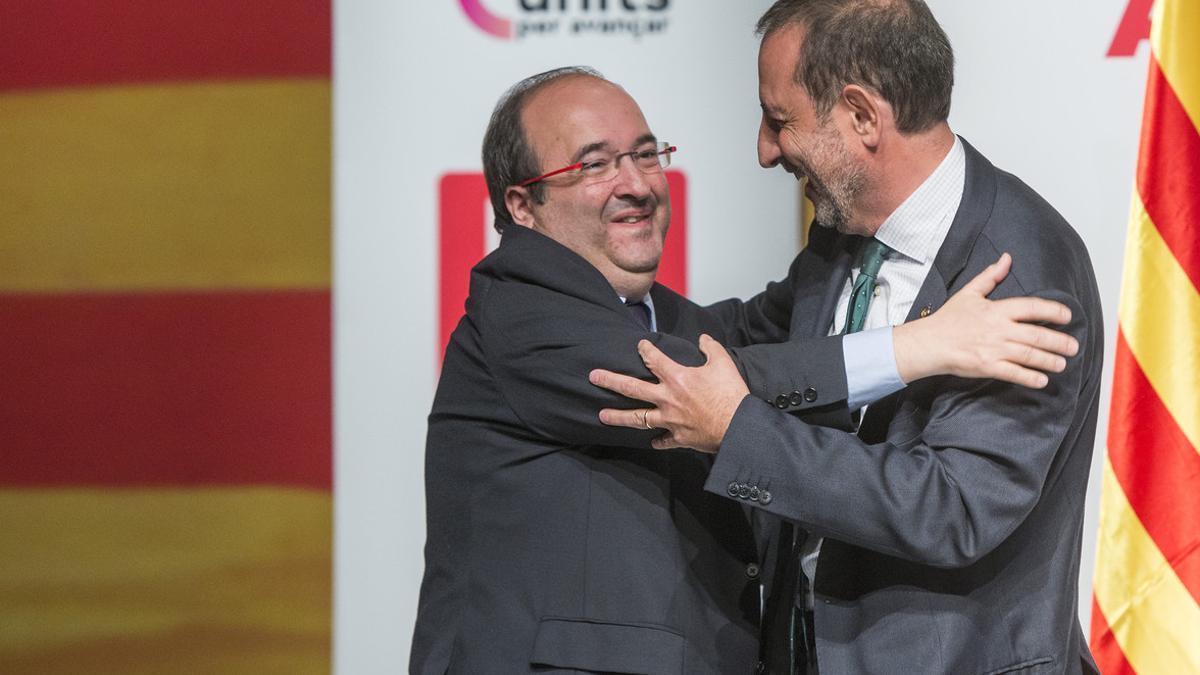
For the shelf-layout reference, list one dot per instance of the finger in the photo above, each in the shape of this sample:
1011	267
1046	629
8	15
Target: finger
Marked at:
1032	357
1047	339
653	419
656	361
629	387
623	418
1030	309
713	350
665	442
986	281
1011	372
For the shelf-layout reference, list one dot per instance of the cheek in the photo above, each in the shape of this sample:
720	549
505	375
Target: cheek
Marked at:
792	147
661	189
596	198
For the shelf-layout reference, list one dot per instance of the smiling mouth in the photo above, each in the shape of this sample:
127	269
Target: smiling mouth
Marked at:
632	219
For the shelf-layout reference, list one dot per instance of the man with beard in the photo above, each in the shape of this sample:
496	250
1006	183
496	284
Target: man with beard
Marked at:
944	535
556	543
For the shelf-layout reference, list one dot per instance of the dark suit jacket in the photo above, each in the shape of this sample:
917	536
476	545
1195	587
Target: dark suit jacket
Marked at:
952	522
556	544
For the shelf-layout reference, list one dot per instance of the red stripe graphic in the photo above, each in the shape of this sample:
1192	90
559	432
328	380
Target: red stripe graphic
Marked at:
1106	651
175	389
1169	171
62	43
1157	467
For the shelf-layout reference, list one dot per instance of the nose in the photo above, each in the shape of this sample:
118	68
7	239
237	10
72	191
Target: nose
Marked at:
768	146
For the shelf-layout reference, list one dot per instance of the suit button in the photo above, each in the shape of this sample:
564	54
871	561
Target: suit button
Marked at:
744	491
810	394
754	493
795	399
752	571
760	668
781	401
764	497
733	489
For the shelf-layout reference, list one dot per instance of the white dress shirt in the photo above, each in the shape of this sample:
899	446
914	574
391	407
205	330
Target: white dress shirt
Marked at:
915	232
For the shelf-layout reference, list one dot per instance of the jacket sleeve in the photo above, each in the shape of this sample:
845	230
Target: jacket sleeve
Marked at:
806	375
798	375
964	465
540	346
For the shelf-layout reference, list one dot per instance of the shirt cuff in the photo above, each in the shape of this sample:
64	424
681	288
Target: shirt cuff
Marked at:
871	370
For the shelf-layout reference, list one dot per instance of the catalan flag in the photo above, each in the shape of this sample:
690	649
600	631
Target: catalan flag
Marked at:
1146	611
165	371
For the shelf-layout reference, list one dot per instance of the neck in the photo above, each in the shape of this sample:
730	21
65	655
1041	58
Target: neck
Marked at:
630	285
905	162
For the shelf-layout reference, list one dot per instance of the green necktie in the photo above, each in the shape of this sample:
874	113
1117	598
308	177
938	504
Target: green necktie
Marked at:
874	251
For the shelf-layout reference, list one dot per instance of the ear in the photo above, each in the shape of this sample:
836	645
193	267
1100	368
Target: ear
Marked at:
866	112
520	205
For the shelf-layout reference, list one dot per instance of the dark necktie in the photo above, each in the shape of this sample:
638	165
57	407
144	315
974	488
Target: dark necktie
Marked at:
640	312
874	251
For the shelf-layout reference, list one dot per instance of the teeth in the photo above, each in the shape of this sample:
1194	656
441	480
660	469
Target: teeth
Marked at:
632	219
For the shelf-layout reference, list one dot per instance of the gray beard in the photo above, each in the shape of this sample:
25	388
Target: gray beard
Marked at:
828	215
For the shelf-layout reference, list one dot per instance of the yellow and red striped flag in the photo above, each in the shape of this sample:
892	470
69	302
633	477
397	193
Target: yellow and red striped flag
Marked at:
1146	609
165	376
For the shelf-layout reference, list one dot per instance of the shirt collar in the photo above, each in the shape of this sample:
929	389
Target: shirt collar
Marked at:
918	226
649	302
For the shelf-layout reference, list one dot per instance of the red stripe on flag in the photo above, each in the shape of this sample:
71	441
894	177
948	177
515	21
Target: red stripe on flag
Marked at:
1169	171
166	389
1157	467
87	42
1109	657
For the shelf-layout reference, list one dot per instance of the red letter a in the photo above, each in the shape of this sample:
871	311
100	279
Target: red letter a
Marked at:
1135	27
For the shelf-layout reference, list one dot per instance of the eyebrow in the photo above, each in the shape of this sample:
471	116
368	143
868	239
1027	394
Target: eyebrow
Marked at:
605	145
772	112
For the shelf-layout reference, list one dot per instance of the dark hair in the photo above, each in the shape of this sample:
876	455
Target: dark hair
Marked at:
893	47
507	157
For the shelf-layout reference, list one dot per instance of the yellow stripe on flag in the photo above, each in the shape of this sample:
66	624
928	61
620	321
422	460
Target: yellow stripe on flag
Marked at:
1160	317
177	186
1154	619
1173	39
228	580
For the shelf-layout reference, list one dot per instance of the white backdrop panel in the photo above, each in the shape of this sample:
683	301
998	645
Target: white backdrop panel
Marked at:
414	83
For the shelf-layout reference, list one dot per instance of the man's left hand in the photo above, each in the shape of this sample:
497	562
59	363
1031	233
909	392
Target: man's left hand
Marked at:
694	405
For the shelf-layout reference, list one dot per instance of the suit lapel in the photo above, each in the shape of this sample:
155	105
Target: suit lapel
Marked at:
822	273
666	310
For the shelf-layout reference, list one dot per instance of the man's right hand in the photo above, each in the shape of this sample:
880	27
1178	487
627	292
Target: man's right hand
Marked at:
972	336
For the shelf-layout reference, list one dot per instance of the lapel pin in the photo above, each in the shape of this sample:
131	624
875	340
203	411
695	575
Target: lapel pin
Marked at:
926	311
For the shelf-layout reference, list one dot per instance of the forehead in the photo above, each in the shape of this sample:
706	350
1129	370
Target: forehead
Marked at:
574	112
777	59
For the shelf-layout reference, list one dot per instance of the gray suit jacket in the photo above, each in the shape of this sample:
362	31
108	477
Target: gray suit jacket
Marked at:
557	544
952	521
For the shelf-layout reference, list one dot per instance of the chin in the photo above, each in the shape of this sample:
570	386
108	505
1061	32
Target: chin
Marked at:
638	262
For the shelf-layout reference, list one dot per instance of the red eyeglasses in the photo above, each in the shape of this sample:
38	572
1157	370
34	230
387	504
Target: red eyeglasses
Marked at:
600	167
